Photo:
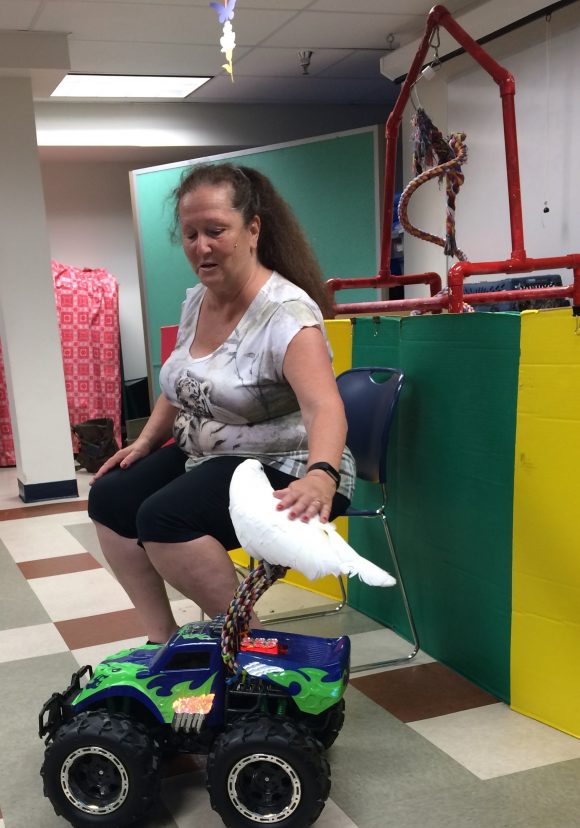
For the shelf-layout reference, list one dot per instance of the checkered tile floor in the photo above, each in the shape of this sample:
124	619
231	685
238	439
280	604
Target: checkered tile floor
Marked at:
421	747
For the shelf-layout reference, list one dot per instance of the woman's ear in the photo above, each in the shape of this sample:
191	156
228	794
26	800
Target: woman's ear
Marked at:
254	231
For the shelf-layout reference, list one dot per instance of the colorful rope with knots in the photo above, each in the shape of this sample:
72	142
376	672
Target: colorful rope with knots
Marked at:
237	621
430	147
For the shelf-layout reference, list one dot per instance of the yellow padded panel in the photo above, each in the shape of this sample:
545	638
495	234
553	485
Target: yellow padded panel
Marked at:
545	646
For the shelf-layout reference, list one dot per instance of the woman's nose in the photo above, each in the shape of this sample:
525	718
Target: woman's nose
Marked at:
203	244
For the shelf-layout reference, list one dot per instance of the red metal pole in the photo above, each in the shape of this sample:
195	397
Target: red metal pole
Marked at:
432	279
576	293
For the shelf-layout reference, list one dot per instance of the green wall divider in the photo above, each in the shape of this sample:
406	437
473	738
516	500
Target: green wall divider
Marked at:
451	469
332	184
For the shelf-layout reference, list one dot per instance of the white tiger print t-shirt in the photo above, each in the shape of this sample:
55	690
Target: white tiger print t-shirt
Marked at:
236	400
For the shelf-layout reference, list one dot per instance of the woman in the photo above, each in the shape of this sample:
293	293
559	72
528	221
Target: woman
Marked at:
250	376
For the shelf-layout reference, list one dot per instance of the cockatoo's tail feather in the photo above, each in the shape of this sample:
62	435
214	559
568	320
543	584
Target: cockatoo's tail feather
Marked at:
314	548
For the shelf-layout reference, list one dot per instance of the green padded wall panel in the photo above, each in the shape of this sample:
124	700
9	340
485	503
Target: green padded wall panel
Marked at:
451	485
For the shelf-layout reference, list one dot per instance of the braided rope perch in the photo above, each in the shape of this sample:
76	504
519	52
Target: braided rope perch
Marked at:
237	620
430	146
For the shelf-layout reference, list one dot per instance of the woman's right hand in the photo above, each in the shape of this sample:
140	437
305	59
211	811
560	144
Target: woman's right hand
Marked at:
124	458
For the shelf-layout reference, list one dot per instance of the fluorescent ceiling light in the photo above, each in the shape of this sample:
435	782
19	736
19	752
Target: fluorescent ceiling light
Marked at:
126	86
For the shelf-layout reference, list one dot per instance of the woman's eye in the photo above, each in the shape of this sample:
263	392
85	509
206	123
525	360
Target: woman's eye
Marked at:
215	232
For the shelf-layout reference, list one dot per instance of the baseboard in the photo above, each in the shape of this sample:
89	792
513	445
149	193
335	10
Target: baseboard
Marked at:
57	490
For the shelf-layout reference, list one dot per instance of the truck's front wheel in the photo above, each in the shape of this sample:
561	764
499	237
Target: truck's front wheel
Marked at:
101	769
267	772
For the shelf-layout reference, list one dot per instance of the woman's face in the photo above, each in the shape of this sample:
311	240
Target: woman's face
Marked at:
219	247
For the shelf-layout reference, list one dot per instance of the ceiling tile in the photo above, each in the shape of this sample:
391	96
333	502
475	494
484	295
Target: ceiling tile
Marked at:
267	62
148	23
255	4
419	7
341	30
140	58
415	7
18	14
362	63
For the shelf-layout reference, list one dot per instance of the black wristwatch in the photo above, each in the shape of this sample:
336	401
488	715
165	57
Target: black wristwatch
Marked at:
326	467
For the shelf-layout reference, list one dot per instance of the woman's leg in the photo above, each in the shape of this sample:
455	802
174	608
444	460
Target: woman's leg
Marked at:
114	500
141	582
200	569
186	530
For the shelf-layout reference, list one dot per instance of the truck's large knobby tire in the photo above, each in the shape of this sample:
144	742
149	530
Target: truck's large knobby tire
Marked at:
101	769
267	772
326	726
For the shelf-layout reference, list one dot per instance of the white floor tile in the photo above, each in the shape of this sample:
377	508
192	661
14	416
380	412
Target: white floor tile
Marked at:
494	741
32	539
185	611
27	642
94	655
187	800
382	644
334	817
79	594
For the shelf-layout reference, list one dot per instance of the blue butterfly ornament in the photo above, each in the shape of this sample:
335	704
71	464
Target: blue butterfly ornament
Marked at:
225	11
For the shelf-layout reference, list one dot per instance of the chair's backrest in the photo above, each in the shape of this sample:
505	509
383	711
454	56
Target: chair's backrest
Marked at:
370	397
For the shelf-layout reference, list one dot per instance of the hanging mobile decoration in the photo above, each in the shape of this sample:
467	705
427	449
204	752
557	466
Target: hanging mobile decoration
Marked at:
225	12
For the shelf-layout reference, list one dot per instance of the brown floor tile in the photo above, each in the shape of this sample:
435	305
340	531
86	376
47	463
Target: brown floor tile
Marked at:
42	509
58	566
99	629
422	692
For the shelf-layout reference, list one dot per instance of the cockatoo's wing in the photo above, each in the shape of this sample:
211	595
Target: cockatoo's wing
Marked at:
314	548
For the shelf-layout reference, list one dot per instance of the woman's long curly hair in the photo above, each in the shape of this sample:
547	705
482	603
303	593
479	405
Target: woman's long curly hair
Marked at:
282	245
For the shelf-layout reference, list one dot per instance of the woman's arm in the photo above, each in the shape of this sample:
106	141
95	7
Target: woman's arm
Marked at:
308	369
157	431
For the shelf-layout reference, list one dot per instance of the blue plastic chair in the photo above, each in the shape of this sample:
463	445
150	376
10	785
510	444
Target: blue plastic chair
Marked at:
370	397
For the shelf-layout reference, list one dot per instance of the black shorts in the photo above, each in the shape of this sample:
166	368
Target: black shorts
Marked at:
156	500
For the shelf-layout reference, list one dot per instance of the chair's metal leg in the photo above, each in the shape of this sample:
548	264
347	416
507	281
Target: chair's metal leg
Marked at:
276	619
402	659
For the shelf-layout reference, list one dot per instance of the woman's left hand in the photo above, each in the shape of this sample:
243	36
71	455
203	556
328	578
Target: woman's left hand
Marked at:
311	495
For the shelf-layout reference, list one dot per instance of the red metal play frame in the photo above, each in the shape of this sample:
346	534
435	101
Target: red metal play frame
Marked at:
518	261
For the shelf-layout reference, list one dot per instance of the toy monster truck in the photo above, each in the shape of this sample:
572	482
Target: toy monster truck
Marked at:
264	727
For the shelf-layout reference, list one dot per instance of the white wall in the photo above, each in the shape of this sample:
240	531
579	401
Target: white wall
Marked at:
90	224
549	161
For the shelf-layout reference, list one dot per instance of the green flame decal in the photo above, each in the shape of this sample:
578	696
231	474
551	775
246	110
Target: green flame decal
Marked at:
315	695
123	674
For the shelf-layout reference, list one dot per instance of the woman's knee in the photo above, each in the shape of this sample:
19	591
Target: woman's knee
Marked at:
108	505
100	499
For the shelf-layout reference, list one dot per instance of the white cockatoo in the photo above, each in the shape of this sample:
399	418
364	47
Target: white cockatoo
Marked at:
314	548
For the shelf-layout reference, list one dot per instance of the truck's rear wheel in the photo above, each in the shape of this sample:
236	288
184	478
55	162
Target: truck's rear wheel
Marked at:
325	726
